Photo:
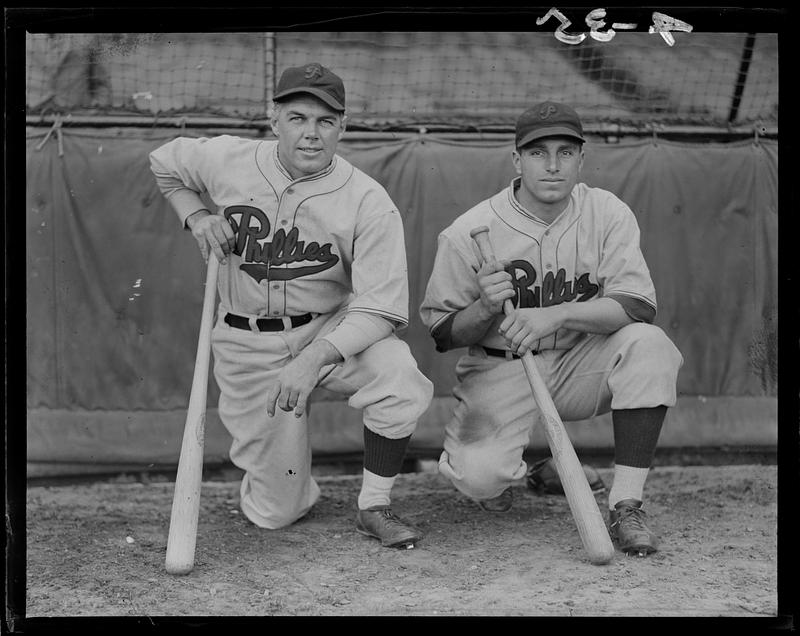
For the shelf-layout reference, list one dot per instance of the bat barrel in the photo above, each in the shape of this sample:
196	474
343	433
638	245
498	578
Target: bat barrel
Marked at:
182	538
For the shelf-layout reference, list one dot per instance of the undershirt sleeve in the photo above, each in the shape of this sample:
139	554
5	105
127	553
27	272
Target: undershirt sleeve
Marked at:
357	331
637	309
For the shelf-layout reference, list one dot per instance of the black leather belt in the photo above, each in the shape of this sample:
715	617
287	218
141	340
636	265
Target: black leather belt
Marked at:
266	324
501	353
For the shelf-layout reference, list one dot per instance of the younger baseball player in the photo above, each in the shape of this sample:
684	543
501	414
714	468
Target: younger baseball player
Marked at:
312	286
570	261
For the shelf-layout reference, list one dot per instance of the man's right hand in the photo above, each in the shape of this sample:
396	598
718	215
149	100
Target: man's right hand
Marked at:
495	285
212	231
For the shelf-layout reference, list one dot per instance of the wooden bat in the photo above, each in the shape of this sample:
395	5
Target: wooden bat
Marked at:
582	503
186	498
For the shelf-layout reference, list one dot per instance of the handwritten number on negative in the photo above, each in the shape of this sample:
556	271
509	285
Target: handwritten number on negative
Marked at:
662	24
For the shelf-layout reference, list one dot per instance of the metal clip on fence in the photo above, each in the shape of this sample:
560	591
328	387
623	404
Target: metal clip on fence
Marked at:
57	128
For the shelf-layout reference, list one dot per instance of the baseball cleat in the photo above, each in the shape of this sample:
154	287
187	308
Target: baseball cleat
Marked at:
381	523
627	527
501	503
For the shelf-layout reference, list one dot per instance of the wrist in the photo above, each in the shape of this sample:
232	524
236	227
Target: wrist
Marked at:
484	313
561	313
320	353
195	216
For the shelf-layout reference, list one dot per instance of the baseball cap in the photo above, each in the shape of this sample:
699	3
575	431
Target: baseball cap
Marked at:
548	119
314	79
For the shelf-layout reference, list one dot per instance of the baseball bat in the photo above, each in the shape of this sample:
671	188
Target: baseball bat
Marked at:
186	498
591	527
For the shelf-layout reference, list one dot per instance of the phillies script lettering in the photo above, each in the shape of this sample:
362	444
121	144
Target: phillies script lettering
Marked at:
554	289
265	261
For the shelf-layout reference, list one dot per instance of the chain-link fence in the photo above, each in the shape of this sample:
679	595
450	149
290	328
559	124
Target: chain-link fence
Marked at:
462	80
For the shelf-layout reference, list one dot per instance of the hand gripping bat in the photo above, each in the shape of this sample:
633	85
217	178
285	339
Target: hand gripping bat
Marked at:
186	498
582	503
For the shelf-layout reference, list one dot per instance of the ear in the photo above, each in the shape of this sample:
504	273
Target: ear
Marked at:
517	160
273	120
342	126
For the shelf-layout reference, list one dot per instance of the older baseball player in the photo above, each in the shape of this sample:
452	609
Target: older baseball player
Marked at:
570	261
313	286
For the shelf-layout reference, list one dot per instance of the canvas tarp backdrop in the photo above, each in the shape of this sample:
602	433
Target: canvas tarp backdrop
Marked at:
115	287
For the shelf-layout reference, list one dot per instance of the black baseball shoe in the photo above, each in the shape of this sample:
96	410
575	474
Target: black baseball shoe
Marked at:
627	527
501	503
381	523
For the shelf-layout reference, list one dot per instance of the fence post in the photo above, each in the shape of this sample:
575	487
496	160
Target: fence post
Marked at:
741	79
269	70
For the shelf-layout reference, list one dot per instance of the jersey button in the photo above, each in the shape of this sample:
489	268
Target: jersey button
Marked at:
284	221
276	313
290	191
276	286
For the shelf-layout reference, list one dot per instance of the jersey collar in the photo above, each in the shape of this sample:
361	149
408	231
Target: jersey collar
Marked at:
517	206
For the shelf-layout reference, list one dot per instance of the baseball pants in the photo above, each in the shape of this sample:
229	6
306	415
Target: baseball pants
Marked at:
275	452
635	367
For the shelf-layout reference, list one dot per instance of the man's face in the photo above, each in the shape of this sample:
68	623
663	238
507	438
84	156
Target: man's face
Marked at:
308	132
549	168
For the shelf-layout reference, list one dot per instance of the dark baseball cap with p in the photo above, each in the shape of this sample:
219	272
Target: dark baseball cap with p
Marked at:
312	79
548	119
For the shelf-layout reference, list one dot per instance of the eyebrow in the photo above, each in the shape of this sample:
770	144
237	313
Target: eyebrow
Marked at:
291	112
565	145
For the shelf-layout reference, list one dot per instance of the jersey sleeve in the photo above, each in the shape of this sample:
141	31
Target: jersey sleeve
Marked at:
182	164
379	269
623	272
452	286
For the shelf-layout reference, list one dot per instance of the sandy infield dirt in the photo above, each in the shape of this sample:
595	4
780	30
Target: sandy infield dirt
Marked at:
98	550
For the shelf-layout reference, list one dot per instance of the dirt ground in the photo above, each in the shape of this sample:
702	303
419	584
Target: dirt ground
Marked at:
98	550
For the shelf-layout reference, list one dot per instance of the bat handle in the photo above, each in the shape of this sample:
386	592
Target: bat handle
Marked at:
481	236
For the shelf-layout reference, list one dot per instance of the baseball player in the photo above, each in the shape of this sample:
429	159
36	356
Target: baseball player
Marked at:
312	286
570	261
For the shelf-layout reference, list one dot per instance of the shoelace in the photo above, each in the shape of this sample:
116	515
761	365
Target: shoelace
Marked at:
636	516
390	516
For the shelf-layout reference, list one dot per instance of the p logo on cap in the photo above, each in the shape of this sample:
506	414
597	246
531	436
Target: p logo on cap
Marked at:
548	119
312	79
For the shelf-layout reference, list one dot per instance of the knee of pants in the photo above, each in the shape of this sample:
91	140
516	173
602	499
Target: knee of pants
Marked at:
652	348
397	394
647	371
481	471
267	509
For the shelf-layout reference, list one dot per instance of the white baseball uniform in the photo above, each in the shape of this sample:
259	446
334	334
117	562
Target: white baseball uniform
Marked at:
591	250
325	244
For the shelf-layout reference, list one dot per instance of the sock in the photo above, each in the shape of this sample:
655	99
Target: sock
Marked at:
636	434
628	484
375	490
384	456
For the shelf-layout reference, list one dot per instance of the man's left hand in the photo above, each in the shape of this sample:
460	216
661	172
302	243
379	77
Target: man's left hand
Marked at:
291	389
523	327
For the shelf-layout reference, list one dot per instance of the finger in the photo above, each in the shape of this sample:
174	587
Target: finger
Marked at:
300	409
288	400
230	236
222	237
215	247
526	345
272	398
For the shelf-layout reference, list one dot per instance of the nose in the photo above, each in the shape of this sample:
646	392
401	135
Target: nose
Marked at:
310	130
552	163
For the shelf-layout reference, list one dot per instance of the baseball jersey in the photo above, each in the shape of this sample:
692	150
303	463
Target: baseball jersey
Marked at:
311	244
591	250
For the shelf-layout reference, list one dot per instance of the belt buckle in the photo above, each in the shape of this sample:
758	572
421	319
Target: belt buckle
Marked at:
253	322
509	355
